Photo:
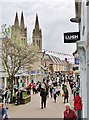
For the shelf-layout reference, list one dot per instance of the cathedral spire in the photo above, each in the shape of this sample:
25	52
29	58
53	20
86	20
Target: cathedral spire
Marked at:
37	22
37	35
16	22
22	21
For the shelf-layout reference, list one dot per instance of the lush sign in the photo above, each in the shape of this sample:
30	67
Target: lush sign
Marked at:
71	37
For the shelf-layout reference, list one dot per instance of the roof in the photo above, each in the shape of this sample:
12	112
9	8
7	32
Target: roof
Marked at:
53	59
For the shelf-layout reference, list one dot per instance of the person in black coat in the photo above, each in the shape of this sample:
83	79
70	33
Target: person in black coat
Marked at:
43	94
66	94
51	89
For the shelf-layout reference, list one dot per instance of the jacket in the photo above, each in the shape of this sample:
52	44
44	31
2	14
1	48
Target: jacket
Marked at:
77	103
66	93
43	94
70	116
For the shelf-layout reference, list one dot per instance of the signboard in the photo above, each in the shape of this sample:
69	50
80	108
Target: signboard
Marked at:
76	60
35	72
71	37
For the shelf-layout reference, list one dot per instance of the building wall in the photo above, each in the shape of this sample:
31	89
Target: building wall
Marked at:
61	67
82	51
88	82
57	67
54	67
87	61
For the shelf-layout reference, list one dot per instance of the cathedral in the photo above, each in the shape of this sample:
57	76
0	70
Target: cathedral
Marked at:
19	27
46	63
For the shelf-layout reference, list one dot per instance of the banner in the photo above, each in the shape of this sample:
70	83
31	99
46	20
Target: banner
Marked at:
58	53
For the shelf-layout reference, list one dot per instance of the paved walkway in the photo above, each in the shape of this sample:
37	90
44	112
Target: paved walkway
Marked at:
33	108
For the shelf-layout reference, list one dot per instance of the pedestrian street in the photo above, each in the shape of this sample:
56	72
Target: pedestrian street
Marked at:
33	108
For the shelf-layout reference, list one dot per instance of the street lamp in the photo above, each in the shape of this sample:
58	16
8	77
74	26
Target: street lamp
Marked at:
75	20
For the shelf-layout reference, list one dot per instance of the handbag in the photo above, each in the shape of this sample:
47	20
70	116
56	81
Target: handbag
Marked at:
63	95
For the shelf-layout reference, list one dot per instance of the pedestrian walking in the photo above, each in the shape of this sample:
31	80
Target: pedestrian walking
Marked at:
71	86
15	88
7	97
69	114
63	86
47	89
18	97
66	94
54	94
78	105
51	88
34	88
74	90
43	94
3	112
58	90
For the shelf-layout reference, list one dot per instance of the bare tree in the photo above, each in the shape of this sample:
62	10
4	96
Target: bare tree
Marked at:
16	54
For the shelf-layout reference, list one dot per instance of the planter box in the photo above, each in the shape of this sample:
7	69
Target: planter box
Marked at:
25	100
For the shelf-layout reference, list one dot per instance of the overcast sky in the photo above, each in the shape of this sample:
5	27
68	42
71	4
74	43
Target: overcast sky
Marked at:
54	18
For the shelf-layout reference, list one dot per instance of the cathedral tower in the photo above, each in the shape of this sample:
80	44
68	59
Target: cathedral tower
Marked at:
19	28
23	28
37	35
16	22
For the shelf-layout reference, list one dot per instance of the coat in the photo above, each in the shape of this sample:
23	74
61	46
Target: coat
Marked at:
70	116
66	93
77	103
43	94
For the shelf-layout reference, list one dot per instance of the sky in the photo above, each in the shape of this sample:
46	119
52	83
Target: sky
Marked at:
54	19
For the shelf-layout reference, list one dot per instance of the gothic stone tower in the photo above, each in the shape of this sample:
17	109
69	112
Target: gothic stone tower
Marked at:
37	35
19	29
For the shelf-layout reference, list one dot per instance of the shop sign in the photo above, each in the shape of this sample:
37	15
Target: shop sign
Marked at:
71	37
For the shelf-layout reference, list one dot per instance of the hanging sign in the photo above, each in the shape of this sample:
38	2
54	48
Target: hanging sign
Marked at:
71	37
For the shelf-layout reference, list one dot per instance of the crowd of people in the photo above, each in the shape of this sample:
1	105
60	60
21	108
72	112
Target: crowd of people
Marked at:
51	86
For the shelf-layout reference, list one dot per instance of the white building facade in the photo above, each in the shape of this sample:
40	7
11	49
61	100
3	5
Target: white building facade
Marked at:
82	18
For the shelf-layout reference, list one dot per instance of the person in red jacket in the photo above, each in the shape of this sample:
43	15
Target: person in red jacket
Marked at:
78	105
69	114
